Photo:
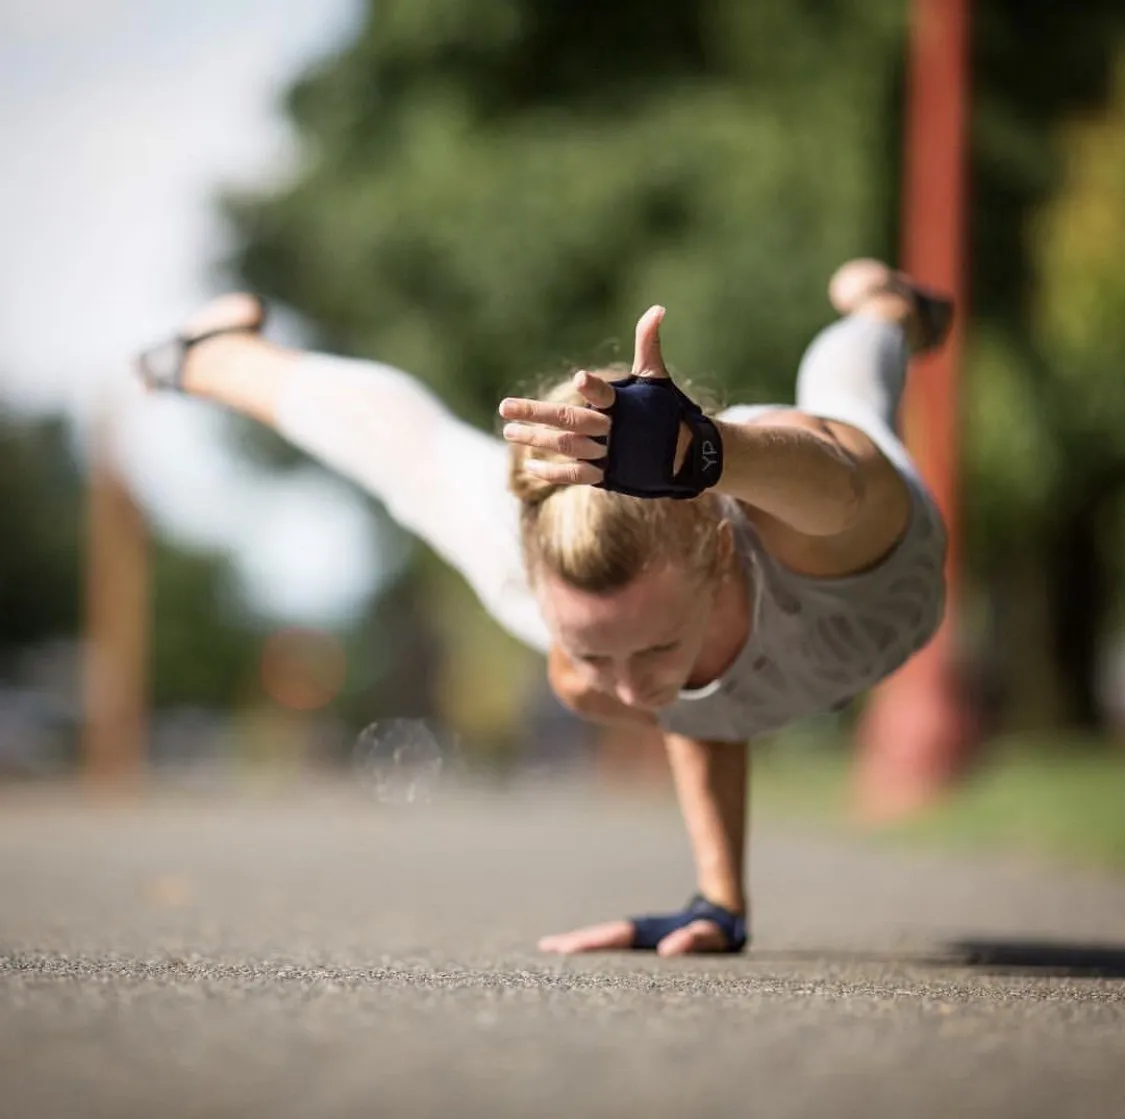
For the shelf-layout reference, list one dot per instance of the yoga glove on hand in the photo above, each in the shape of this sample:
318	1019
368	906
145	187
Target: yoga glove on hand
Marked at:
640	460
640	435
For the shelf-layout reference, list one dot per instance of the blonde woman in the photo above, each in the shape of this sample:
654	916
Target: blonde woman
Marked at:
716	577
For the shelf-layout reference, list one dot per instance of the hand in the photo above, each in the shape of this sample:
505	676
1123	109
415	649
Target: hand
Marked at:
570	430
699	936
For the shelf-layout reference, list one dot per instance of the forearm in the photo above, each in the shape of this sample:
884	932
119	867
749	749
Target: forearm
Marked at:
804	479
712	786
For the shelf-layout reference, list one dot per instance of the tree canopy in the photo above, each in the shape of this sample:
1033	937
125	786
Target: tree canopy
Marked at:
493	191
490	192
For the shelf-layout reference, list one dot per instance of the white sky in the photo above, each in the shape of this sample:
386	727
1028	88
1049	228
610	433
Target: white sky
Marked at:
118	121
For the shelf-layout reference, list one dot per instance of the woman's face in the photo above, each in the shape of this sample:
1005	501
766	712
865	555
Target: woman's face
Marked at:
639	643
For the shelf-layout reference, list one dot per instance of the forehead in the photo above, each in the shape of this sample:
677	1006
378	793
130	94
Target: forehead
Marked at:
651	610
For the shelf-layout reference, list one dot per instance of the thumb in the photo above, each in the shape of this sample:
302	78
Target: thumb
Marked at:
647	358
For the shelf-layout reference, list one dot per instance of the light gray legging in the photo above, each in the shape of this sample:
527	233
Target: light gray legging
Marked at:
446	481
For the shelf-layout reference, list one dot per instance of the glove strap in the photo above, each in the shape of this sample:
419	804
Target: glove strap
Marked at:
650	930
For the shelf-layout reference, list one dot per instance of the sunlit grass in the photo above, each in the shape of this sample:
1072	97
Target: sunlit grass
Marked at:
1063	801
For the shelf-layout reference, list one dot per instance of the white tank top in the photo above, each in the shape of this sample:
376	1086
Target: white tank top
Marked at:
816	643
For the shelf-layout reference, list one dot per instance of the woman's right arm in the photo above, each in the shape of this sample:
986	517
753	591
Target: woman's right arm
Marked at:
585	701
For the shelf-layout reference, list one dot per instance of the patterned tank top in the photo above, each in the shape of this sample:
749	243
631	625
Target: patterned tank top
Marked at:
816	643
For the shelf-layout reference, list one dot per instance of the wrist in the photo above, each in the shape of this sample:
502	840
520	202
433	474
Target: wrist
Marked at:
723	891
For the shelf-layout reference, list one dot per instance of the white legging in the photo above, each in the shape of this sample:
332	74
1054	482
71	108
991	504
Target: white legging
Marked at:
446	481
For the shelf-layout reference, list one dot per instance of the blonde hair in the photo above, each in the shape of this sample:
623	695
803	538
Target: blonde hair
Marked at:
600	541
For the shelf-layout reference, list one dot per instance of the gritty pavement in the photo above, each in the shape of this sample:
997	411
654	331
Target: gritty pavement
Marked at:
309	954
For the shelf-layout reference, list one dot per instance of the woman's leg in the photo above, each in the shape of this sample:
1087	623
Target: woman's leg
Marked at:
439	477
855	370
857	365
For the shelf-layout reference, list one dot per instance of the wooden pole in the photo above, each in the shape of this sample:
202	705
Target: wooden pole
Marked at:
917	728
117	622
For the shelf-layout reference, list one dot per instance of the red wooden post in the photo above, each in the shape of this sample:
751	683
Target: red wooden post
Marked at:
117	624
918	728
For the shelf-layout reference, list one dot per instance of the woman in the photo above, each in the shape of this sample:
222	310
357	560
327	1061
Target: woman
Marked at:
717	578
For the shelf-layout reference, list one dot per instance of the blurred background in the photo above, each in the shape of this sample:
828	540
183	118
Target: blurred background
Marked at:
484	193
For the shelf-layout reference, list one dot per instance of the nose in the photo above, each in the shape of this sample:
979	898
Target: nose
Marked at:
630	687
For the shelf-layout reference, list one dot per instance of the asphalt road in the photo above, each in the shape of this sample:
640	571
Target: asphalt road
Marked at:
319	955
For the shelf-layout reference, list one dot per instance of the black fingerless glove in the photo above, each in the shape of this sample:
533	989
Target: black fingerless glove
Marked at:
641	445
650	930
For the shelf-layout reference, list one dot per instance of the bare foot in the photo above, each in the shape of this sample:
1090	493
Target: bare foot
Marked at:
853	283
876	289
170	364
699	936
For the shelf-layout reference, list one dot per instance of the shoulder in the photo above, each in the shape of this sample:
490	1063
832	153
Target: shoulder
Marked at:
885	505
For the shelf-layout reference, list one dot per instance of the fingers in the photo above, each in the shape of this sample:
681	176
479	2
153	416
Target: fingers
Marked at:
699	936
648	361
562	429
551	439
613	935
596	390
566	417
565	472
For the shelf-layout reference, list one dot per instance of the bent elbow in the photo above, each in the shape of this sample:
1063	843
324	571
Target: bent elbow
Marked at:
852	497
841	503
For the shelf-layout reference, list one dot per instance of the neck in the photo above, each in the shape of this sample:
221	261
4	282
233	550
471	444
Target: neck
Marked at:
727	631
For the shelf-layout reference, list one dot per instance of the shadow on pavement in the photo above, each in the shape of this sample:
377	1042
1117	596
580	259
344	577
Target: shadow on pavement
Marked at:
1042	957
1008	957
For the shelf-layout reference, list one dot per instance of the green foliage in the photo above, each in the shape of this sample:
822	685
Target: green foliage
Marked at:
1012	458
496	191
1053	798
42	511
204	648
491	192
1036	73
1080	325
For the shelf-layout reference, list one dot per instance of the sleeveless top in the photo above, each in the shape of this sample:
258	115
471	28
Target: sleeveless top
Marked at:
816	643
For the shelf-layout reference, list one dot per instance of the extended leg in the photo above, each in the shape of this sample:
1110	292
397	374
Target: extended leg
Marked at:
439	477
858	364
854	371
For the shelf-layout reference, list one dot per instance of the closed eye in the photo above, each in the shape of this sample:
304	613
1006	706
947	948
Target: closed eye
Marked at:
655	650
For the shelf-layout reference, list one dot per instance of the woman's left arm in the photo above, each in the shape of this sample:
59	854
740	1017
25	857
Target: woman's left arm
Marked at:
819	477
812	481
823	496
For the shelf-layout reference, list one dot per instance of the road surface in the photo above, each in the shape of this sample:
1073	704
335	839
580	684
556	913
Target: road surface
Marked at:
315	954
